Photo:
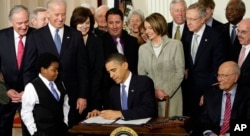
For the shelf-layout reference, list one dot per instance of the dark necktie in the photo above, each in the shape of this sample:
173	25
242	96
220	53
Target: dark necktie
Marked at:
124	98
20	50
233	34
227	115
57	41
53	91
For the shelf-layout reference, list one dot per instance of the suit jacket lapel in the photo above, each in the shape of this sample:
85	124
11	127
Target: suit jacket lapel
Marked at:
217	104
12	50
66	40
131	91
203	44
246	62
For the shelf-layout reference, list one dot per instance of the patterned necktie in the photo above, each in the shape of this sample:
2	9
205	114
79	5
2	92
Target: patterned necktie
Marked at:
195	46
242	56
233	34
124	98
53	91
177	35
20	50
119	46
57	40
227	115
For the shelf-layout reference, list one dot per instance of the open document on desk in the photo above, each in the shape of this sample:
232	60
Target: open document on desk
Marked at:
101	120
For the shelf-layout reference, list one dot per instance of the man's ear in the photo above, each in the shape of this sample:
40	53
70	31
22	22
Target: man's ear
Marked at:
125	65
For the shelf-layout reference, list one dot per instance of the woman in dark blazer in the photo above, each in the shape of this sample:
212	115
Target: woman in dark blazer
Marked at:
83	20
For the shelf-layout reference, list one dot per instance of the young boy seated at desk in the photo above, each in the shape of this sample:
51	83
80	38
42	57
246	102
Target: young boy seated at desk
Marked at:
132	97
44	102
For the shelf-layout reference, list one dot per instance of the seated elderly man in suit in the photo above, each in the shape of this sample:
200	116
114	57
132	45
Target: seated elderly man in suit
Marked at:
132	97
226	103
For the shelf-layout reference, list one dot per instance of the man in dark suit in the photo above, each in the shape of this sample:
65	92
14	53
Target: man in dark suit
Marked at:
215	117
210	5
13	44
203	55
178	13
139	90
71	52
244	57
235	12
127	45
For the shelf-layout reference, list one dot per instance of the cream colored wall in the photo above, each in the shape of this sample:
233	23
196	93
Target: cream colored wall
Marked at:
5	6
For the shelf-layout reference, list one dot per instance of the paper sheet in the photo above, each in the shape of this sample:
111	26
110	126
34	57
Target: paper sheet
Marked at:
98	120
133	122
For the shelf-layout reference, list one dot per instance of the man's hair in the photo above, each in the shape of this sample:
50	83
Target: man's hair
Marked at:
114	11
44	60
34	12
158	23
17	8
177	1
240	3
116	57
80	15
201	9
207	3
55	1
99	8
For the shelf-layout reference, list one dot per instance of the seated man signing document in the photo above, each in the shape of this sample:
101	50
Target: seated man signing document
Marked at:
132	97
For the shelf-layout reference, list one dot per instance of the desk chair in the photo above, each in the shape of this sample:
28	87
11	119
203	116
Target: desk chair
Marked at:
121	131
166	99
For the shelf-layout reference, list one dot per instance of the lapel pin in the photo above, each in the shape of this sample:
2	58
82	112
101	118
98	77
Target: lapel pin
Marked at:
132	91
205	40
68	37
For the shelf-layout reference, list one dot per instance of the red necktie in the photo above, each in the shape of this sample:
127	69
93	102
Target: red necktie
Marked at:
227	115
20	50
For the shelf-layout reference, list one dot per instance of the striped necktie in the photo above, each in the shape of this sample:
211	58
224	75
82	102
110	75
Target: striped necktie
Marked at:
227	115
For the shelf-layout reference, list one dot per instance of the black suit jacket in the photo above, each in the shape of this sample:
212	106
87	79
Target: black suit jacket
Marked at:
141	98
232	50
216	23
244	79
212	109
95	67
209	56
73	59
8	63
185	31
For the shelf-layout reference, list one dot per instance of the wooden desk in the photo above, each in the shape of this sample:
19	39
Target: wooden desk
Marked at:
87	129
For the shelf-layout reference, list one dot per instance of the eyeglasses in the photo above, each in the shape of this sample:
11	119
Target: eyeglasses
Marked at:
193	19
223	76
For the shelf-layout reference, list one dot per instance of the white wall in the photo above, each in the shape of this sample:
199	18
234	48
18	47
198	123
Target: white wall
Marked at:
219	12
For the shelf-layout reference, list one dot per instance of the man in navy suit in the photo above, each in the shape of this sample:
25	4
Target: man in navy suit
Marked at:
12	72
244	39
138	89
215	100
235	12
203	56
71	53
128	46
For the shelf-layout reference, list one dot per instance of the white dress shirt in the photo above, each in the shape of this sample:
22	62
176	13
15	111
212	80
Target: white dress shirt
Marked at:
30	99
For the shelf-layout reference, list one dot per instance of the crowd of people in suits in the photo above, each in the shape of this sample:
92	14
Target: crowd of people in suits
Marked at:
195	60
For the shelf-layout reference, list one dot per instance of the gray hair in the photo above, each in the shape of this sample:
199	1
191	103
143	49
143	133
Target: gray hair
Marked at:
177	1
16	9
201	9
99	8
136	12
34	12
55	1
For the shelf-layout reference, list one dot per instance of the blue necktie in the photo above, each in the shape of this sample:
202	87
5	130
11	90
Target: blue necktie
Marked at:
53	91
124	98
233	34
57	40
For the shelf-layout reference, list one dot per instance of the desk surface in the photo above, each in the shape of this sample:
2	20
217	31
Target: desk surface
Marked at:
173	130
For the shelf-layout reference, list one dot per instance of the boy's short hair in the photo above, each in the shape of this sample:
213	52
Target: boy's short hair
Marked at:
44	60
